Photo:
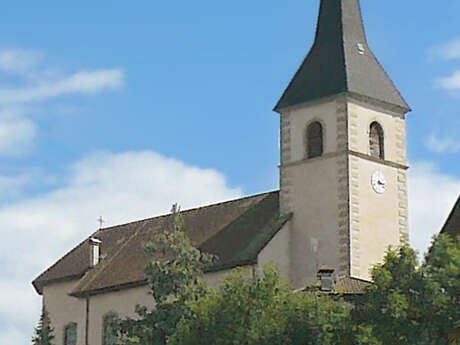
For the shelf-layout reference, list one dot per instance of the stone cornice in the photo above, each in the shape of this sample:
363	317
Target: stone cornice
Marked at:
351	97
349	152
378	160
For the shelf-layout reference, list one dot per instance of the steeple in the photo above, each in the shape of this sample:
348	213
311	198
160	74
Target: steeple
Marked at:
340	60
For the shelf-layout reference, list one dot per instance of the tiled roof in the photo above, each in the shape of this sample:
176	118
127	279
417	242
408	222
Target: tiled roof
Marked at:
350	285
343	286
340	60
452	225
235	231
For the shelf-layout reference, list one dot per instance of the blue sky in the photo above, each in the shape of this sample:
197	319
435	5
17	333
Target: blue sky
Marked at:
118	110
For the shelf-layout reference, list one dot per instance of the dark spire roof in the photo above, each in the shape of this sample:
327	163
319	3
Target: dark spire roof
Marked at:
340	60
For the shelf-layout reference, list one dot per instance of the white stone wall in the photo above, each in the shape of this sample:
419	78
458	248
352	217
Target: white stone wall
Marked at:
316	190
360	118
64	309
277	252
377	220
293	127
214	279
121	302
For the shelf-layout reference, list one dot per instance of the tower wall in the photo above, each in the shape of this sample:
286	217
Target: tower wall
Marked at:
377	221
361	115
316	190
334	205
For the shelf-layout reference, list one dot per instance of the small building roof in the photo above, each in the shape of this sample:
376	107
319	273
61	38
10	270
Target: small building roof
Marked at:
351	286
342	286
341	61
235	231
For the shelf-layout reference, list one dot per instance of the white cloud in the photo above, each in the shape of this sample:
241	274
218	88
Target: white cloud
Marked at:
431	197
40	88
20	313
85	82
442	145
19	61
16	136
451	83
11	335
446	51
121	187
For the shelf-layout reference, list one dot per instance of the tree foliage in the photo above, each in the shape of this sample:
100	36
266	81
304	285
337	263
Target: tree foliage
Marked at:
43	334
175	276
408	304
441	272
261	310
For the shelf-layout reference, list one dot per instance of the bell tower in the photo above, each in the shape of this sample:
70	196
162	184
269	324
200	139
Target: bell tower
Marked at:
343	152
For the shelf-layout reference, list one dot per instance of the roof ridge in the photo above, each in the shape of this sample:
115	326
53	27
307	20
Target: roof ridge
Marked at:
275	225
247	251
60	260
106	263
391	82
292	79
112	228
342	48
85	288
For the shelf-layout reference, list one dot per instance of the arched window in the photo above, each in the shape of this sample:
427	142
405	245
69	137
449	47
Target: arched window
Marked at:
70	334
376	141
108	323
314	140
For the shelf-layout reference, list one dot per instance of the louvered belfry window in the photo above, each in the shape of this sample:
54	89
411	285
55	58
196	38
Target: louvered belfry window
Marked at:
314	140
376	141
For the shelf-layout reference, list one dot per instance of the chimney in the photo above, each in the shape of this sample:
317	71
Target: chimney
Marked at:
326	278
94	254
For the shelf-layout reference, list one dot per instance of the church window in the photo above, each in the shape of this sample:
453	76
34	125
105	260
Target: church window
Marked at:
108	335
376	141
70	334
314	140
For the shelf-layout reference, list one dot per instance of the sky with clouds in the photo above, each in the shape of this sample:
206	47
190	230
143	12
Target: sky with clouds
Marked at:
116	110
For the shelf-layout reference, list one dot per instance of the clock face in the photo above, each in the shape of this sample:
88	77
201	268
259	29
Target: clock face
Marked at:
378	182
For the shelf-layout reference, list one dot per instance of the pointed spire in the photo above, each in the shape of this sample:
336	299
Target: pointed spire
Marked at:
340	60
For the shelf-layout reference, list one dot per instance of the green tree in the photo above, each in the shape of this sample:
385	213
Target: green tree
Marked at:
261	310
390	306
441	272
412	304
175	276
43	333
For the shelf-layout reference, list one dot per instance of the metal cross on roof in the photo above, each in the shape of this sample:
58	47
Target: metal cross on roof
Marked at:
101	222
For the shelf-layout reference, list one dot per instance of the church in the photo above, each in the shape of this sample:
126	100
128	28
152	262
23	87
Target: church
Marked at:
342	199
